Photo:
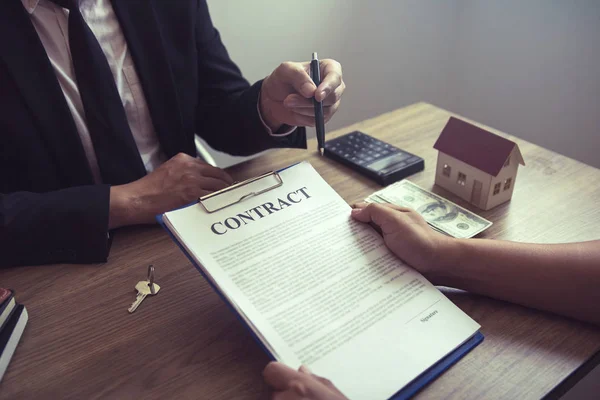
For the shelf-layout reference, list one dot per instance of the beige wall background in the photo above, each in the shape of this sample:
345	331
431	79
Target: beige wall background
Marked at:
530	68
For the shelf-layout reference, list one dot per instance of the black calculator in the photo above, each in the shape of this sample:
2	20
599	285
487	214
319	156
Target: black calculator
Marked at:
380	161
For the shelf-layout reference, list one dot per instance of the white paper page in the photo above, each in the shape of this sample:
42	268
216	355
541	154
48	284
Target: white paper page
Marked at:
322	289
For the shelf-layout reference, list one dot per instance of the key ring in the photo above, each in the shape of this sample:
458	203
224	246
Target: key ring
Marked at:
151	278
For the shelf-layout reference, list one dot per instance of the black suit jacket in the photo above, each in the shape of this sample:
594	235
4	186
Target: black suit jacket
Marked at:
50	209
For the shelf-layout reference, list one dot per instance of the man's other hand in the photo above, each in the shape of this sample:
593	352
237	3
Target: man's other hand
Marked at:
177	182
288	384
287	93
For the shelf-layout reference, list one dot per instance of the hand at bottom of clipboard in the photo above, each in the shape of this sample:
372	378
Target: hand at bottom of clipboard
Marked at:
289	384
177	182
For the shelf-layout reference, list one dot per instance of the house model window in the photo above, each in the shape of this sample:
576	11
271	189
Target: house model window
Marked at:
447	170
507	183
462	179
497	188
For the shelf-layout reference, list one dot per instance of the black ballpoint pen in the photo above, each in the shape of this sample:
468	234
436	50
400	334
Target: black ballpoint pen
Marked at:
315	73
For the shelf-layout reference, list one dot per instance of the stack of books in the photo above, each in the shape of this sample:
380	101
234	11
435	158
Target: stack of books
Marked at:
13	318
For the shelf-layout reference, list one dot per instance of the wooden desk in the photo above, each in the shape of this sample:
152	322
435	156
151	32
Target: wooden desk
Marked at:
186	343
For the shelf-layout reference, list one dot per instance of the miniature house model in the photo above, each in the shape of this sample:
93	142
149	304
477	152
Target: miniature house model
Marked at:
476	165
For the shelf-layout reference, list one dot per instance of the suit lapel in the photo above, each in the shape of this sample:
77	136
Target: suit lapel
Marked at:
27	62
142	32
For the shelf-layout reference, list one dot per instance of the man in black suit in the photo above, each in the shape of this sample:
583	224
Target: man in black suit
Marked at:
66	177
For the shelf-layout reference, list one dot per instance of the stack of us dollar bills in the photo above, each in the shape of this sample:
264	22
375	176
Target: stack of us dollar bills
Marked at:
441	214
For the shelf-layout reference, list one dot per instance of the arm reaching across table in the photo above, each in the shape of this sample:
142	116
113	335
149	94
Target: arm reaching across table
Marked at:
561	278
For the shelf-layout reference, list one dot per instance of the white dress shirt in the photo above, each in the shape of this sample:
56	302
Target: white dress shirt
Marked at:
51	24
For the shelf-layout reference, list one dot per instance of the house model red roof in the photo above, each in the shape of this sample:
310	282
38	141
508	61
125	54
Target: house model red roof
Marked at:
475	146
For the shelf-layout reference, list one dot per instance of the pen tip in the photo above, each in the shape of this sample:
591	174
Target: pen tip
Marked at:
314	56
321	151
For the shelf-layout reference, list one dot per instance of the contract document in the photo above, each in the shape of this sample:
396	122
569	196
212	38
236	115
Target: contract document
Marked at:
318	288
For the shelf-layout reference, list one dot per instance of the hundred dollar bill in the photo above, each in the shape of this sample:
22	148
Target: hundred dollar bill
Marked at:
374	198
443	215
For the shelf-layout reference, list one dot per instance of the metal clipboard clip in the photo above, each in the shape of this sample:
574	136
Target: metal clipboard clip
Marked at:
240	191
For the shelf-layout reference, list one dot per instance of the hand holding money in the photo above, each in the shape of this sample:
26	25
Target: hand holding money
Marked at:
406	234
441	214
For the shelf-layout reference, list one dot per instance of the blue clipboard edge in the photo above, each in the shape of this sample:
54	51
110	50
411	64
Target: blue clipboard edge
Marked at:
439	368
159	218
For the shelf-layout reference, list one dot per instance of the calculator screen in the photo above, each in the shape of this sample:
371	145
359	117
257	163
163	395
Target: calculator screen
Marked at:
390	162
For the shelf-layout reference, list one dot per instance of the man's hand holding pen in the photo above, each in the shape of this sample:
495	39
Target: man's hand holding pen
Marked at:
287	93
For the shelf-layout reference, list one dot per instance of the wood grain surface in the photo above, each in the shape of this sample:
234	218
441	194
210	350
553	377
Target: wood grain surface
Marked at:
185	343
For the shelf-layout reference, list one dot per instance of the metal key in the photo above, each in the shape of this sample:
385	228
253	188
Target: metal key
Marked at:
143	289
151	279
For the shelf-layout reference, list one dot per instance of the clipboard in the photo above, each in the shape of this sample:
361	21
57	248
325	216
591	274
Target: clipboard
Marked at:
219	200
240	191
252	187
